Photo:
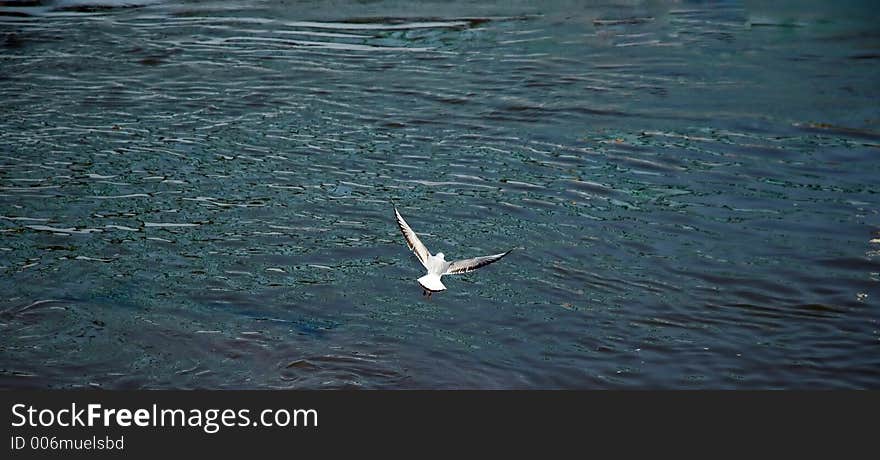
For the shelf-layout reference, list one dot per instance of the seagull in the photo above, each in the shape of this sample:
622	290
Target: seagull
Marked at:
437	265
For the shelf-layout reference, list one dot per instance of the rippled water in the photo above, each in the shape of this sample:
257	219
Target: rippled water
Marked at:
197	194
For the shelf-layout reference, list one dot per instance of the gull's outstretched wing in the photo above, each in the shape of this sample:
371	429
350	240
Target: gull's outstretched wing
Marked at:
466	265
412	240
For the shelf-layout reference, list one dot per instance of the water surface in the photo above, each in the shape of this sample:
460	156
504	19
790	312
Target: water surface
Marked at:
197	194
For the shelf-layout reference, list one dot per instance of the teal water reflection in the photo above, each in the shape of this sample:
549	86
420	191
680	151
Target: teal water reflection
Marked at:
197	195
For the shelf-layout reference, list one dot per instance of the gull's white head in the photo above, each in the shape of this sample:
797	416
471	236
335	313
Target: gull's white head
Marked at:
440	255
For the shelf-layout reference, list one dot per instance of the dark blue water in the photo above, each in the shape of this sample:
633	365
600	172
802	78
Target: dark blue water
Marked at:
197	194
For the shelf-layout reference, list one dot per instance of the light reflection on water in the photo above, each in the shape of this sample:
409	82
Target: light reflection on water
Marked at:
198	195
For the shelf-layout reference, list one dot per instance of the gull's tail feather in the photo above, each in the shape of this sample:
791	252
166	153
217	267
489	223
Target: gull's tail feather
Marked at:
432	283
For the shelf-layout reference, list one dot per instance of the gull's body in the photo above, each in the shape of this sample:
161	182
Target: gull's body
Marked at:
437	265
